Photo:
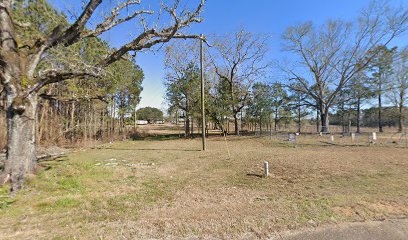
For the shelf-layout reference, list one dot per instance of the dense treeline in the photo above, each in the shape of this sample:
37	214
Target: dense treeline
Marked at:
337	70
275	105
272	106
78	110
369	117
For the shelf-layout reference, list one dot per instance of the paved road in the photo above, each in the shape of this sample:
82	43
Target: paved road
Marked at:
381	230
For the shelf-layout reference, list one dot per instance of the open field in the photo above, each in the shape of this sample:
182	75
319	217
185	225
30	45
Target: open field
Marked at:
164	187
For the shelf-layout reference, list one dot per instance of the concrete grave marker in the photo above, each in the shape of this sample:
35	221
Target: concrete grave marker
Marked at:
266	169
373	138
292	137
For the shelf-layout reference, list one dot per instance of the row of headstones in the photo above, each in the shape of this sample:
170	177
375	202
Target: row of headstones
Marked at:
292	138
372	138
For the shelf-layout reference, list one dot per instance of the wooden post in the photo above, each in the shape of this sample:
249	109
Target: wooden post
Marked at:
202	92
266	169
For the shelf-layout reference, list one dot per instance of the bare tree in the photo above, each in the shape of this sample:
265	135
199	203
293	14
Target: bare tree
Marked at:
20	61
329	56
182	78
240	59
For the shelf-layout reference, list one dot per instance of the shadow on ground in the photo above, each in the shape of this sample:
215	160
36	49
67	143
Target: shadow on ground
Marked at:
150	149
137	137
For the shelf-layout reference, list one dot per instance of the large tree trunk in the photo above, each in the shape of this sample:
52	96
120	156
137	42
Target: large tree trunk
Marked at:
358	114
21	151
236	124
380	127
241	122
401	116
192	127
20	109
299	119
343	124
324	118
187	125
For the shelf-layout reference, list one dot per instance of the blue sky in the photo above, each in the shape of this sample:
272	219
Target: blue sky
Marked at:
270	17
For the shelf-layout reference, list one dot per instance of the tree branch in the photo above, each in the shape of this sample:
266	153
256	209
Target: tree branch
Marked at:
53	76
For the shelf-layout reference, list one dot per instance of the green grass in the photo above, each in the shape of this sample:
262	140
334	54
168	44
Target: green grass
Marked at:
5	199
192	193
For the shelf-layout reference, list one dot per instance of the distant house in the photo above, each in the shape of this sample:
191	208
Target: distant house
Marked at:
141	122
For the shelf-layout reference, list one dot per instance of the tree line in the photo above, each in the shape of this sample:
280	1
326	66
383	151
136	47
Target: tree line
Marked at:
71	111
334	69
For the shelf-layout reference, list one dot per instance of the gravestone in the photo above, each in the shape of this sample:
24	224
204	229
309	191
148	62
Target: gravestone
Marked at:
292	137
373	138
266	169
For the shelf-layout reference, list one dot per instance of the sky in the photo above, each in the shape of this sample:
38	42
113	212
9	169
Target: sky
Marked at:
221	17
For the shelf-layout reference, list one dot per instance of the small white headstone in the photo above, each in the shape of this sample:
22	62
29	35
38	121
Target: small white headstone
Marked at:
332	138
353	137
374	136
292	137
266	169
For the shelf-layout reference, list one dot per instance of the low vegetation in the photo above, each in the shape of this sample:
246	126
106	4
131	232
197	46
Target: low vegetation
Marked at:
160	188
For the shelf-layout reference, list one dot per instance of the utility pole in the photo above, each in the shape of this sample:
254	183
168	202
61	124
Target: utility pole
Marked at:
202	91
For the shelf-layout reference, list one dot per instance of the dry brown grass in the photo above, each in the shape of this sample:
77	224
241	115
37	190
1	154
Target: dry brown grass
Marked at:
187	193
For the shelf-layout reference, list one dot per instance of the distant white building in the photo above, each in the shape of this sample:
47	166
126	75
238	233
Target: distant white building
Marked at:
141	122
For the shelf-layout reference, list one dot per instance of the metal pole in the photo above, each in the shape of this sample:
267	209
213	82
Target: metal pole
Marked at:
202	92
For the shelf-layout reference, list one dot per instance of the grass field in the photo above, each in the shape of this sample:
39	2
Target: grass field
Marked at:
164	187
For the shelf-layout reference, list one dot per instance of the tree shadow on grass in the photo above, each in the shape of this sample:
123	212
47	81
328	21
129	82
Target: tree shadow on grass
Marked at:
48	164
166	137
255	175
151	149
